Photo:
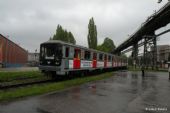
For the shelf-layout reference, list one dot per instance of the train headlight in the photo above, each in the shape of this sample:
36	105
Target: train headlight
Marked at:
48	62
57	63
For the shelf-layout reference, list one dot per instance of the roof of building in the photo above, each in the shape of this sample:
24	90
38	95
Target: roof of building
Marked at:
13	43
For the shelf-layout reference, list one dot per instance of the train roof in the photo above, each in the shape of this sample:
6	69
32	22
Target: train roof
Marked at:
78	46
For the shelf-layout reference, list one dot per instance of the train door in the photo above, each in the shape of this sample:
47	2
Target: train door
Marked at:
67	54
94	60
77	56
105	60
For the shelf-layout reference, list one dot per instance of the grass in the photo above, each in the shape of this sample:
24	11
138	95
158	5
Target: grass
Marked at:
50	87
10	76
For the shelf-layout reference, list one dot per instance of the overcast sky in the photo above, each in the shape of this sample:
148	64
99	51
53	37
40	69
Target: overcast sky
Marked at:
31	22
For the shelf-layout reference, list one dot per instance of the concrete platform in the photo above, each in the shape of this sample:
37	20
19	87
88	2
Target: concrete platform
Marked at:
127	92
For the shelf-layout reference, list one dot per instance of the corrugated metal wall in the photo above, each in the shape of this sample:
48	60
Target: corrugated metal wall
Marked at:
1	50
12	55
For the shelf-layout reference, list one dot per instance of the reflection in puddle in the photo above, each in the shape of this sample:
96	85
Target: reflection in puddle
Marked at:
134	76
122	74
92	88
76	93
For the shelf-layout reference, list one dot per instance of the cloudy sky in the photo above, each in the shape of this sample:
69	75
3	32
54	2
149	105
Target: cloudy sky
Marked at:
31	22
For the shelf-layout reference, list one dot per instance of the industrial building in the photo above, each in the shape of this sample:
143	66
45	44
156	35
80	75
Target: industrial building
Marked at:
11	54
33	59
163	52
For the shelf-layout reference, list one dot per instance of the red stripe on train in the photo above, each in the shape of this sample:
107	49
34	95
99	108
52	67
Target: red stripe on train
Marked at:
94	63
76	63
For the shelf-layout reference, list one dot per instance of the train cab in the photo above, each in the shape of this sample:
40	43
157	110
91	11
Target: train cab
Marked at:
50	56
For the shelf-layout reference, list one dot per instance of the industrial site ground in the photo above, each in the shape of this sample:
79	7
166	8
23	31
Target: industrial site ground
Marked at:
125	92
31	90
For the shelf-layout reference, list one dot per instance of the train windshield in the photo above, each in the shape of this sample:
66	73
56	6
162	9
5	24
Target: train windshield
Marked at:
51	51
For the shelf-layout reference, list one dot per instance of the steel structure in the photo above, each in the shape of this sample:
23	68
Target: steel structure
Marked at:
147	33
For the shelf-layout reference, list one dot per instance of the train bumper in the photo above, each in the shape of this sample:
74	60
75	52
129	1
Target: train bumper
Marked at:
49	68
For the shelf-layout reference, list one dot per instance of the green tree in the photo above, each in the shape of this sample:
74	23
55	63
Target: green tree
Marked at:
59	33
64	35
92	34
107	46
71	38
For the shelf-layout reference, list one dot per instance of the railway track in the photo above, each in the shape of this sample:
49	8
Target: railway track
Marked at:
32	81
27	82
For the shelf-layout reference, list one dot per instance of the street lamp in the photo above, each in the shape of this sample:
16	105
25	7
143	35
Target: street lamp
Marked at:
35	56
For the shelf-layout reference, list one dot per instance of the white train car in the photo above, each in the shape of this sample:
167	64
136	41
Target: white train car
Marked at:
60	58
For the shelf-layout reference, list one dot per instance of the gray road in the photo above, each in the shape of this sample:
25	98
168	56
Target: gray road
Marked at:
127	92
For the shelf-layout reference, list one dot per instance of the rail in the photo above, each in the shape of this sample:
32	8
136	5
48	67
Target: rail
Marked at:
8	85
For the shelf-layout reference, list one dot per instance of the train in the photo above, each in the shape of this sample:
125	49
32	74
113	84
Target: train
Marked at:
61	58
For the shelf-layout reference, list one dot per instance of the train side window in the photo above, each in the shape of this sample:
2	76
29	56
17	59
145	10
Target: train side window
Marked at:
82	54
71	52
109	58
100	57
67	52
87	55
77	53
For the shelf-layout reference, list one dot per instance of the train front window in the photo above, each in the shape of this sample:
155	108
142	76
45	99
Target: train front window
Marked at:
51	51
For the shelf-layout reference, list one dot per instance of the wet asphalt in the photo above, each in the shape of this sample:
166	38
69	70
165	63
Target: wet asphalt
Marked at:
126	92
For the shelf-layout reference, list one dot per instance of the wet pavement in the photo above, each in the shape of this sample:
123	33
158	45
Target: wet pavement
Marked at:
126	92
